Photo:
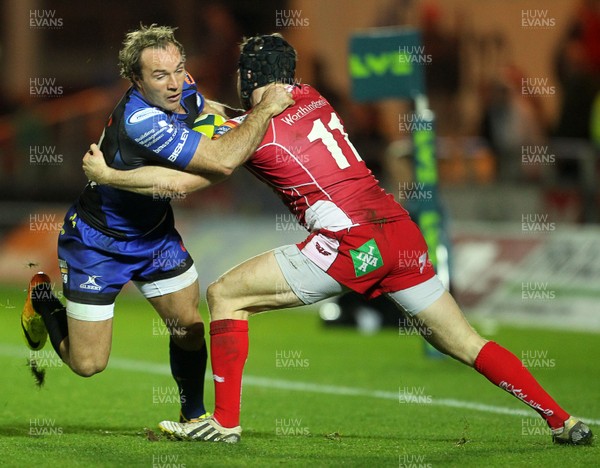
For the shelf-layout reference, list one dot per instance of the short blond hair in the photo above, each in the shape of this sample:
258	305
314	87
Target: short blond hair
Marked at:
135	42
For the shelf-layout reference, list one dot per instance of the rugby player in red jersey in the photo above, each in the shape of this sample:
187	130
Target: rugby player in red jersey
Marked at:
360	239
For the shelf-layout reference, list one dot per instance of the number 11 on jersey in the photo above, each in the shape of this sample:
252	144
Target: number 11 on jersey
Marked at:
320	132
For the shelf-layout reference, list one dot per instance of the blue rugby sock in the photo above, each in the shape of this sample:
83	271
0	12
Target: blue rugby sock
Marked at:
188	368
54	314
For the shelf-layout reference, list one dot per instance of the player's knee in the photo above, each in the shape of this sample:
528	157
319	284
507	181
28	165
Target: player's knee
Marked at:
213	291
87	367
222	303
216	297
464	350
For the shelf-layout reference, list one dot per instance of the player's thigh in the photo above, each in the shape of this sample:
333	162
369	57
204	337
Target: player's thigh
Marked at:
277	279
89	344
170	280
180	307
92	277
253	286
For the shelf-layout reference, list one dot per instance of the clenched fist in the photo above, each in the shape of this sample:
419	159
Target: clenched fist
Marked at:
94	165
276	99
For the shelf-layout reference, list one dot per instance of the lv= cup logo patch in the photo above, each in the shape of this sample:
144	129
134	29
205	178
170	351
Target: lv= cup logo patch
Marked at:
366	258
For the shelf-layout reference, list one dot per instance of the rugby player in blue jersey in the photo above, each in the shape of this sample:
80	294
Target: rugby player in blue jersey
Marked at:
111	237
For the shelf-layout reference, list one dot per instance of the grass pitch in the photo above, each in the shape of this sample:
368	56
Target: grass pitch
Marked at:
313	396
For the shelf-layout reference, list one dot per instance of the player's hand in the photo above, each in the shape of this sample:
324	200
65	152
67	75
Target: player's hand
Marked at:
276	99
94	165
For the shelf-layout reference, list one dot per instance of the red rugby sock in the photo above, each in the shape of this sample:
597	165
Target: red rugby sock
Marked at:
228	353
504	369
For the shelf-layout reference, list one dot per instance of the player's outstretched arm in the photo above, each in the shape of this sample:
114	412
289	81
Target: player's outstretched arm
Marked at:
224	155
146	180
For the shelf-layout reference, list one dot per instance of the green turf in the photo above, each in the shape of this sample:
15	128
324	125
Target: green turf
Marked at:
102	421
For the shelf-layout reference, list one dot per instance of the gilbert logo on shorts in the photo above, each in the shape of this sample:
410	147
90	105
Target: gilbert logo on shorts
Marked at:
366	258
91	284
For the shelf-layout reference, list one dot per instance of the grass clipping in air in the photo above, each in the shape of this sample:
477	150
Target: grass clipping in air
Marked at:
39	374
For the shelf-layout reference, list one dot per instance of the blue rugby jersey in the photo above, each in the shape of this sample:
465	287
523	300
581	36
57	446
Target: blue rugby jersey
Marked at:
138	134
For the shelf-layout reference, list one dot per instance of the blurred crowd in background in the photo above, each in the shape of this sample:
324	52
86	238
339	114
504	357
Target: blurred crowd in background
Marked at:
491	131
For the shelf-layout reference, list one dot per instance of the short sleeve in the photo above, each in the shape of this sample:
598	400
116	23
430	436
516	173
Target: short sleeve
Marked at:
168	138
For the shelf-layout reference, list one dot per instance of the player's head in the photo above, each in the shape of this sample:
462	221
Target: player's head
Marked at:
154	61
264	59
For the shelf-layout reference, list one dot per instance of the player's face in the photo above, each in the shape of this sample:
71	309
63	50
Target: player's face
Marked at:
163	73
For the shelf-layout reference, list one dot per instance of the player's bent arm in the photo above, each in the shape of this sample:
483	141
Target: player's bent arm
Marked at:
150	180
147	180
224	155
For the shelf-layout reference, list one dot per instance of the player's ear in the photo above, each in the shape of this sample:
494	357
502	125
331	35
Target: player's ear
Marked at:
137	81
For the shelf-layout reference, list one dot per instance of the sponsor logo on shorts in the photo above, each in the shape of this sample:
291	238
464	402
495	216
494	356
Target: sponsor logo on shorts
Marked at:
412	259
321	250
91	283
366	258
64	270
422	262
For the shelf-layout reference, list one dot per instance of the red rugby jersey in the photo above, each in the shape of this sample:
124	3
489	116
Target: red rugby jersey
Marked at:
307	158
